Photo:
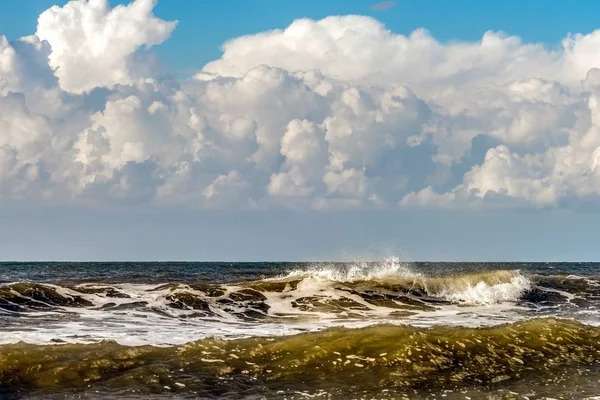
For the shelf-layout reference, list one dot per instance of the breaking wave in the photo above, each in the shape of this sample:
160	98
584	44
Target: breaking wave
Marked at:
311	299
298	289
390	268
300	300
475	288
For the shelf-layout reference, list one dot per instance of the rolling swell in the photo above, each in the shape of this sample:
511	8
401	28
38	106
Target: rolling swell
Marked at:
404	360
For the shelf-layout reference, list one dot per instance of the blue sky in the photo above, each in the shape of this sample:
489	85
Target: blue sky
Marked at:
180	235
204	25
337	140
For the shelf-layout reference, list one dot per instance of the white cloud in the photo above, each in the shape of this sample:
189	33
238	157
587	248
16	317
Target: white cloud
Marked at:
304	148
94	45
325	114
361	50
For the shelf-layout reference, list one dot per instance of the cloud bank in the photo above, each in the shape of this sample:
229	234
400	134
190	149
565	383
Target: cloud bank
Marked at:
336	113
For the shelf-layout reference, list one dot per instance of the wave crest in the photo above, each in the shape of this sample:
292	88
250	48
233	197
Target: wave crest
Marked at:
481	288
390	268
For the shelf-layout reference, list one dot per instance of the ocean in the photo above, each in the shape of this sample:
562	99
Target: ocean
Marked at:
356	330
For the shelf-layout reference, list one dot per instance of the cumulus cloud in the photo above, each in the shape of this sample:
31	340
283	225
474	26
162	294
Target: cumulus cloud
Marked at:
324	114
360	49
95	46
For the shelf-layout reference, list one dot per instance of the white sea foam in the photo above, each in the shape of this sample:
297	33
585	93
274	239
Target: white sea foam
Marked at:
390	268
484	293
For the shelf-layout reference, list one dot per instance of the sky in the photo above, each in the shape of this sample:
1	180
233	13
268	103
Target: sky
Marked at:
299	130
204	25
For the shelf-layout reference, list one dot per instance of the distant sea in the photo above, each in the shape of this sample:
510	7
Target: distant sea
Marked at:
372	330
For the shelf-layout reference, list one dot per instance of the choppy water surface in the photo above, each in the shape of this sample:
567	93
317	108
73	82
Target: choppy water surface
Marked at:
329	330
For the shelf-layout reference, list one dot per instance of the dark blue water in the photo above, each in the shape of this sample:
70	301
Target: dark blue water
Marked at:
223	272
